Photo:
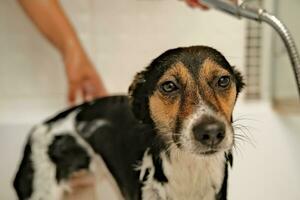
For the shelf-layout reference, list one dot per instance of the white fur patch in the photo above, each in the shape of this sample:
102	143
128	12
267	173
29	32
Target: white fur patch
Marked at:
186	139
152	189
44	183
45	186
190	177
90	127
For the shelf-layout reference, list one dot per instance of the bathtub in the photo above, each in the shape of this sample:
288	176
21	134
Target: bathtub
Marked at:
266	167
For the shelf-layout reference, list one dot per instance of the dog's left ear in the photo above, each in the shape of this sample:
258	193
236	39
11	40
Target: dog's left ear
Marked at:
144	83
138	97
239	80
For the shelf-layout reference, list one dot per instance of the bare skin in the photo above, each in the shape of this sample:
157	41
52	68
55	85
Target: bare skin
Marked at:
200	4
50	19
196	4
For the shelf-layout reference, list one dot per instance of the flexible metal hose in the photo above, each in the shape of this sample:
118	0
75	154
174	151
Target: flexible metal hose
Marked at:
262	15
288	41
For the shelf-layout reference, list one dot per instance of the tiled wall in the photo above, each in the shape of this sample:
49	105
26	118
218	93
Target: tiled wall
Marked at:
253	57
120	36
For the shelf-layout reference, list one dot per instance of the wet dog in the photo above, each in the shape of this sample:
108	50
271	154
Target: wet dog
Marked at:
170	138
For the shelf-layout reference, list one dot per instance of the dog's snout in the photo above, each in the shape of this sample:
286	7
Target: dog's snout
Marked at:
209	134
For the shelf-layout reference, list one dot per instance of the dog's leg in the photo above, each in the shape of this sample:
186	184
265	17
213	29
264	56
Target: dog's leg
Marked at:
81	193
106	186
100	184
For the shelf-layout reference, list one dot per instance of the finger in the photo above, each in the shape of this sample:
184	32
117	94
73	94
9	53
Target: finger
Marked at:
87	91
98	90
201	5
191	3
94	88
72	93
82	93
197	3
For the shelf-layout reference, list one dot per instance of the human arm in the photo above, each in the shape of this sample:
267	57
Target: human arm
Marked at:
52	22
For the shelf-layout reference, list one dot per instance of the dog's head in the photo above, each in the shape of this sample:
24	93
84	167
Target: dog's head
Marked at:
189	95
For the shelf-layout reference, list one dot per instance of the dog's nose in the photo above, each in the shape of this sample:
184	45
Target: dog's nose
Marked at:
209	134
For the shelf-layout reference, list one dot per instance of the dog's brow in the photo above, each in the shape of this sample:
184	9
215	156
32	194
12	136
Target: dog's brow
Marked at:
221	103
178	69
210	68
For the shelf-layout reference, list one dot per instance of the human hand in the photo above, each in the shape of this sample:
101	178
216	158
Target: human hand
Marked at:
83	80
200	4
196	4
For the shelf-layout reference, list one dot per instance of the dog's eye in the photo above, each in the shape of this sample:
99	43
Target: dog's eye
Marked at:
168	87
224	81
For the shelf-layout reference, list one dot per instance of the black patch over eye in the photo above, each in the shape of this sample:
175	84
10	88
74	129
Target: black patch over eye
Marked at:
224	81
168	87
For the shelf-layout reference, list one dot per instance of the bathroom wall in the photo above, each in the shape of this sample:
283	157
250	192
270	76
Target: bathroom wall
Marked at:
121	38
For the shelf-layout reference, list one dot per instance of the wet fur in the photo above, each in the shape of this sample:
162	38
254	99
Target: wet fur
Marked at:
141	139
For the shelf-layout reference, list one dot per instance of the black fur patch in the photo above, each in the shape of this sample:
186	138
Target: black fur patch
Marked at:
63	114
159	174
240	84
68	156
229	158
222	195
145	177
23	182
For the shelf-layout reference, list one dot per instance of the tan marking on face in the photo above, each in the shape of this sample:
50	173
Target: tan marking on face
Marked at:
163	112
223	100
166	109
227	101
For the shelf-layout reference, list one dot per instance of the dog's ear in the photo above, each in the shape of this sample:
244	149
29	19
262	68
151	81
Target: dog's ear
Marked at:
144	83
239	80
142	88
138	97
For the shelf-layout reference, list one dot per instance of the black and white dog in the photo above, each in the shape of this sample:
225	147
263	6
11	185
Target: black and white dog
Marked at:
170	139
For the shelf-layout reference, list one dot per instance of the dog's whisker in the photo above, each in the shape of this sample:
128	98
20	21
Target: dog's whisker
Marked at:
242	132
243	127
243	137
245	118
236	147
